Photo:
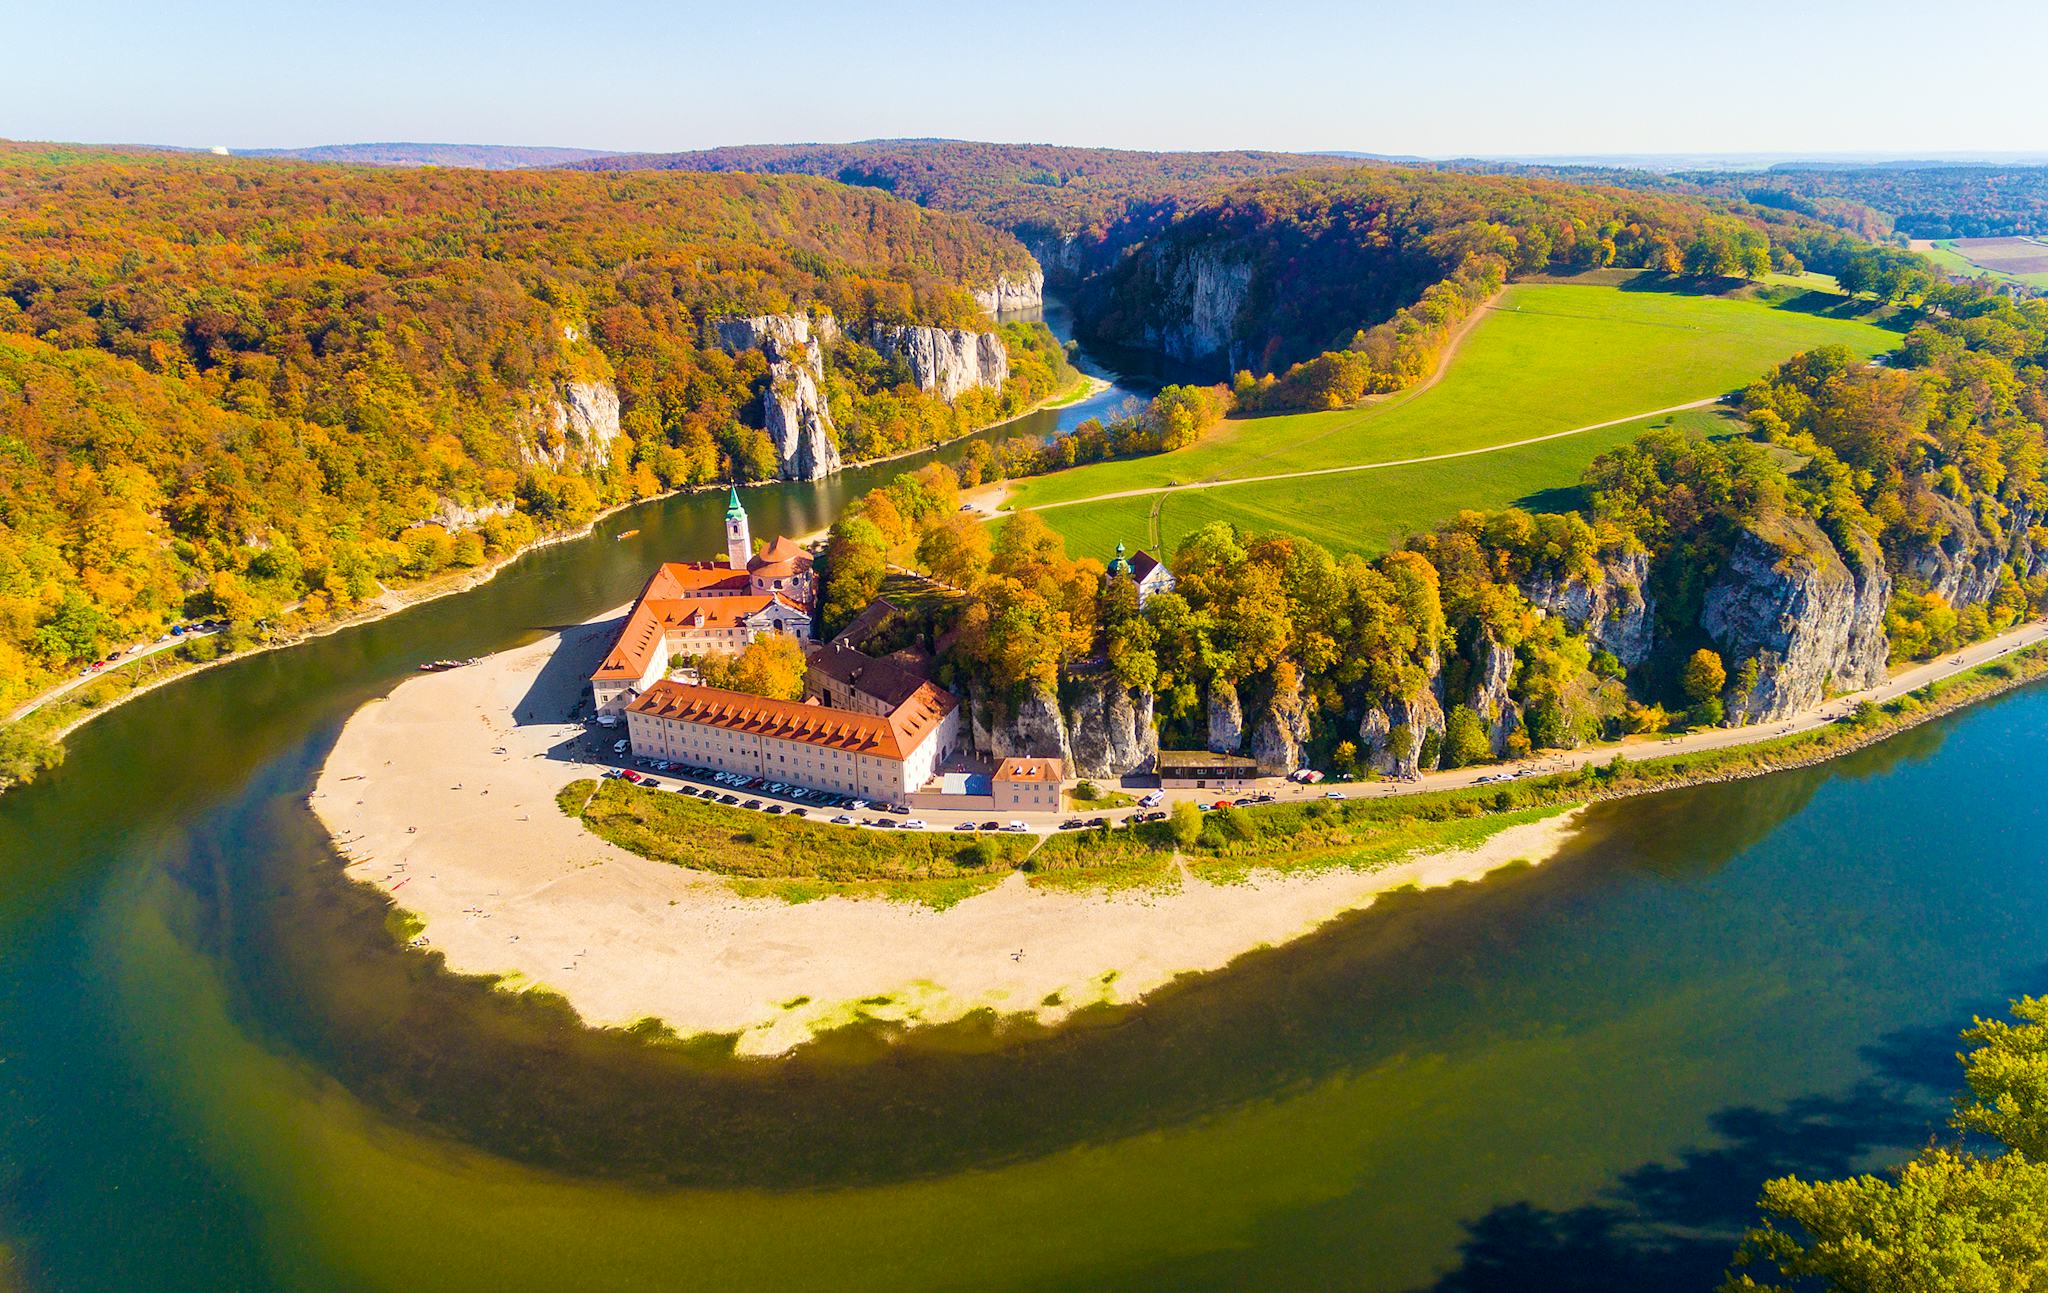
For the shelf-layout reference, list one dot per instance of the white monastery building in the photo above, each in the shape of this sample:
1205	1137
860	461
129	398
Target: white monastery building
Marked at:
708	608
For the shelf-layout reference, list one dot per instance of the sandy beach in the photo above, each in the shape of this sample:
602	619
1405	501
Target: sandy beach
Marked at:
442	795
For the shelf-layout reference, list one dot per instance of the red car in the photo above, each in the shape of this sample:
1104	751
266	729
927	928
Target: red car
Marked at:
629	775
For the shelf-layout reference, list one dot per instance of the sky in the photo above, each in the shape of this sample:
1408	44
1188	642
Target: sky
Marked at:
1444	78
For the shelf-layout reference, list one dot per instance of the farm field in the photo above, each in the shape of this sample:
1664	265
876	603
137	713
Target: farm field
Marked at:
2015	260
1368	511
1548	357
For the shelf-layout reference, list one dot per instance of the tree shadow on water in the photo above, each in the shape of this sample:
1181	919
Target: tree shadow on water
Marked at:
1674	1225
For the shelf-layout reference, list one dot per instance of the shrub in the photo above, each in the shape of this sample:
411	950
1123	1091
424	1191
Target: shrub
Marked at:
1086	791
1465	740
1186	821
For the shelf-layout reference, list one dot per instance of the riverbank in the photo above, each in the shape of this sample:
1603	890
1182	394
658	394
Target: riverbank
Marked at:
442	796
65	707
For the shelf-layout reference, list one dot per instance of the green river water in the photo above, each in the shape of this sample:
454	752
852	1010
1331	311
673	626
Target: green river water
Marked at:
218	1070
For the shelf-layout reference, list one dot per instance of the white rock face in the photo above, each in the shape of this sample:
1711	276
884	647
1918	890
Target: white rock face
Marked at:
1416	716
785	337
1490	692
1202	297
793	413
793	408
576	428
1225	717
1610	608
946	360
452	516
1787	603
1011	292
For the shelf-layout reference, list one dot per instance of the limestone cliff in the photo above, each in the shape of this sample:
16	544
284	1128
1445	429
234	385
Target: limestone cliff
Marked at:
945	360
1493	674
574	429
1280	728
1225	716
1787	603
793	407
1965	564
1196	317
1031	727
1109	728
1608	607
1393	732
1013	292
1103	729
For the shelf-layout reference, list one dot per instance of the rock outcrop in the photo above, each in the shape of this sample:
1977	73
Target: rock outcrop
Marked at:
1609	608
945	360
1033	727
1280	730
1493	672
1104	730
1392	734
452	516
1226	718
1196	316
1964	566
1012	292
1109	728
793	407
794	415
575	429
1794	621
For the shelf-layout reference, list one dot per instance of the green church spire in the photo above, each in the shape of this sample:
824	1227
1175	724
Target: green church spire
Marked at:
732	504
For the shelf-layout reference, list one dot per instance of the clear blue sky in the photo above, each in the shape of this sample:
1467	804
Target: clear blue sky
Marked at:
1441	77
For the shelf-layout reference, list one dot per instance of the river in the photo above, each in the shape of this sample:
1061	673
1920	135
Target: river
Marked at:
219	1071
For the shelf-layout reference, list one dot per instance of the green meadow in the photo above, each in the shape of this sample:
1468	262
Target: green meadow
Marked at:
1550	357
1367	511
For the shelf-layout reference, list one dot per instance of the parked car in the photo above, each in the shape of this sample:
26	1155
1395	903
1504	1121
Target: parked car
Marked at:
650	783
1016	826
1153	800
752	803
1333	794
1098	821
963	826
686	790
728	799
627	774
883	822
857	805
1072	824
842	820
991	826
913	824
777	809
799	812
620	747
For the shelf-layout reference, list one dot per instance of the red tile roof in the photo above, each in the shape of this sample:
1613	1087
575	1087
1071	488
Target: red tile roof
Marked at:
809	724
1045	770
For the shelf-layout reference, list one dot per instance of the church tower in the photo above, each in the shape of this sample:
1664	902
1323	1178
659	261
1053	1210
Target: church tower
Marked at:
739	541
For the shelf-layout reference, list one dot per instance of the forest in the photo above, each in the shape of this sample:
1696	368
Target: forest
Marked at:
261	390
1041	192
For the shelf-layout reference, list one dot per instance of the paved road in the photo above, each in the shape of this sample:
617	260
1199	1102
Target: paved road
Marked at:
597	754
141	653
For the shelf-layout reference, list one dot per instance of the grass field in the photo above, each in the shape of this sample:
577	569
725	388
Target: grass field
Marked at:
1551	357
1367	511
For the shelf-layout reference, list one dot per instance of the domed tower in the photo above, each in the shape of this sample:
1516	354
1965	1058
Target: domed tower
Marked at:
739	541
1119	566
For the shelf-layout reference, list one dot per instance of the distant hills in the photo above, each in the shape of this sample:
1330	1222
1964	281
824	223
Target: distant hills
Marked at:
480	157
